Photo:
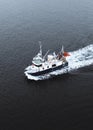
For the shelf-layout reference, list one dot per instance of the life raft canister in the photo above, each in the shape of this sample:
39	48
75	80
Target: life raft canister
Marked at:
66	54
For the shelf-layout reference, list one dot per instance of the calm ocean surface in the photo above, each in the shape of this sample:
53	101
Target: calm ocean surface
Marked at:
64	102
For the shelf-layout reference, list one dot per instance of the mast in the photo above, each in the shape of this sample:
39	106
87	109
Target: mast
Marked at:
40	48
62	49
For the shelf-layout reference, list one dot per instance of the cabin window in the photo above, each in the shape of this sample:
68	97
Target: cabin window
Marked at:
53	65
37	65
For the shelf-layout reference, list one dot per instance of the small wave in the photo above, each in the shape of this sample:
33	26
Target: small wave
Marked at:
77	59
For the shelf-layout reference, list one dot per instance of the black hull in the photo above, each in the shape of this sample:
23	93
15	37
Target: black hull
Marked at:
49	70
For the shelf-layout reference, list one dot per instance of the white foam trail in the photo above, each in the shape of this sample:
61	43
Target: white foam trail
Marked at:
77	59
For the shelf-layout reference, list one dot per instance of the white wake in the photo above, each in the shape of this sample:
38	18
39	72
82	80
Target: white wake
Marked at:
77	59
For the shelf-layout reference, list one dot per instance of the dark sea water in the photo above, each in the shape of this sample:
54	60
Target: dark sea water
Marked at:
64	102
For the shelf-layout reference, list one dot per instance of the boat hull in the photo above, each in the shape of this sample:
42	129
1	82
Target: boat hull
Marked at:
49	70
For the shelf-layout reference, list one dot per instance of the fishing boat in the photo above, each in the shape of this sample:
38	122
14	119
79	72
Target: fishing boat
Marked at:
42	65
